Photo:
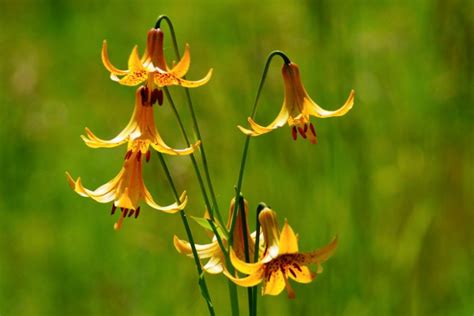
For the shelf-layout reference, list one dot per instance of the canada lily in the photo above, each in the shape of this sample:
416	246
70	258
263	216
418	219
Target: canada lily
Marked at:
141	130
297	108
274	270
213	252
126	190
152	67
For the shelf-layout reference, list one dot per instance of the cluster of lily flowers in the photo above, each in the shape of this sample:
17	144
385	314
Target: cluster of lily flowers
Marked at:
269	255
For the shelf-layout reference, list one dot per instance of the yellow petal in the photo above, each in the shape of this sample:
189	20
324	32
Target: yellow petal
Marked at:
173	208
108	65
204	251
271	233
275	284
301	274
251	280
197	83
288	240
316	110
182	66
160	146
214	265
95	142
320	255
280	120
242	266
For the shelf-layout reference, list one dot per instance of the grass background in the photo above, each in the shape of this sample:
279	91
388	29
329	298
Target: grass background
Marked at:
393	178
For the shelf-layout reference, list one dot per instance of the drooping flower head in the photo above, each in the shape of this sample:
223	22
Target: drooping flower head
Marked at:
152	66
141	130
281	259
213	252
127	189
297	108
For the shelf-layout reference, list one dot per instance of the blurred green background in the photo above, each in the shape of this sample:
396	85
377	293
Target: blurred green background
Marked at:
393	178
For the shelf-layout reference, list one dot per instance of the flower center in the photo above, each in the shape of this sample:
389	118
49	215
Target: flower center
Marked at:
302	128
285	263
124	213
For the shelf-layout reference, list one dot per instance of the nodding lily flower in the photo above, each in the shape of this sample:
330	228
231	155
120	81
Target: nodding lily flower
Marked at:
274	271
126	190
152	67
213	252
141	130
297	109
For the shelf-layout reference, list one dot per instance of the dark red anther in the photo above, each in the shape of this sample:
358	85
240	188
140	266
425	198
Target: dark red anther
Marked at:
294	133
160	97
144	95
305	128
113	209
139	156
124	212
148	156
128	154
302	132
292	272
137	212
131	212
311	127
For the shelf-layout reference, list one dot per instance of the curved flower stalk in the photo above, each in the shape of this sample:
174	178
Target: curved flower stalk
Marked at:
274	271
213	252
140	132
297	108
126	190
152	67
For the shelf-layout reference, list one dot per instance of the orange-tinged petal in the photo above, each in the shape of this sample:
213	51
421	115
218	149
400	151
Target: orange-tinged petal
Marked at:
196	83
248	281
134	78
242	266
271	233
275	284
182	66
95	142
279	121
204	251
160	146
106	61
316	110
288	240
301	275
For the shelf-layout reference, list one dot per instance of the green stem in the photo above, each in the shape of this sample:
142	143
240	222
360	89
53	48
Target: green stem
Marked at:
247	139
195	123
260	207
202	281
246	248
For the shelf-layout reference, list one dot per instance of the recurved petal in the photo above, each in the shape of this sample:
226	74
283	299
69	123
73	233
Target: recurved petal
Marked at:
197	83
95	142
106	61
316	110
173	208
204	251
322	254
250	280
214	265
288	240
160	146
182	66
279	121
242	266
275	284
301	274
103	194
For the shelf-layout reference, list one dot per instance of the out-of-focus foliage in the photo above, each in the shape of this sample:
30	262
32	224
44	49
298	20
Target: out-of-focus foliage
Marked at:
393	178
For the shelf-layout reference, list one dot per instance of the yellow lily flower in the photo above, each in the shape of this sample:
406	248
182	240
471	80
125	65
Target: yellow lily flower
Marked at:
126	190
152	66
141	130
213	252
297	108
274	271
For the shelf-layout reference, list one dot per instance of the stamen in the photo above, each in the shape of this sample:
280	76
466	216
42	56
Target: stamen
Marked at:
124	212
128	154
131	212
160	97
113	209
137	212
294	133
148	156
156	95
144	95
302	132
118	224
297	266
139	156
305	128
311	127
313	137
